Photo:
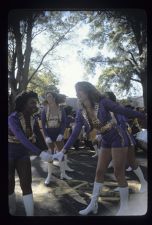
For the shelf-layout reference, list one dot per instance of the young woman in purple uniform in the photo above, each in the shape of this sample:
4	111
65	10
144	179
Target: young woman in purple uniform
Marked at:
95	109
131	158
23	135
53	120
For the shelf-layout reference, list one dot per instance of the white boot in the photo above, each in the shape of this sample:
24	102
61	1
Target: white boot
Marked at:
116	189
56	163
28	204
67	168
96	151
12	204
110	164
128	169
63	175
123	201
49	177
93	206
142	180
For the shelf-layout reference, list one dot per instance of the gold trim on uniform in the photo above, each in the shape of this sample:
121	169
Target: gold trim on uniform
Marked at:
96	122
13	139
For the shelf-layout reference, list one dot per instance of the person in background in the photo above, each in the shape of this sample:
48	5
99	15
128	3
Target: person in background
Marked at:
131	158
69	122
23	134
68	130
53	120
95	110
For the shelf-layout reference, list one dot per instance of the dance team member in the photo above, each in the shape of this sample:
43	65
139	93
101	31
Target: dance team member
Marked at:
23	127
96	110
53	120
131	158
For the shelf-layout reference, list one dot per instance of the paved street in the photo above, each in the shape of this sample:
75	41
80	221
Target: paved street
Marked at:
66	198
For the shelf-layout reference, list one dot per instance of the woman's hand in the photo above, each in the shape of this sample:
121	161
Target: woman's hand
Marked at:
59	156
60	137
45	156
48	140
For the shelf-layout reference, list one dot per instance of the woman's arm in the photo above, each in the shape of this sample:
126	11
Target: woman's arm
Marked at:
117	108
75	133
14	126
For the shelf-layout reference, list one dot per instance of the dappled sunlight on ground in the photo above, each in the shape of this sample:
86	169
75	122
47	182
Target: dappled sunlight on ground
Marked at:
67	197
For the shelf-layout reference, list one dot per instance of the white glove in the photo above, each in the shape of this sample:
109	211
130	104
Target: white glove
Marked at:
45	156
84	135
59	156
48	140
98	137
60	137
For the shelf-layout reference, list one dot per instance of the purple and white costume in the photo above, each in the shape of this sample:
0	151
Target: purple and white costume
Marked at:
19	144
123	121
53	126
112	138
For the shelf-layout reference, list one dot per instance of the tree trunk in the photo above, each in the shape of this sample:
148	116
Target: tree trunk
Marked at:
27	54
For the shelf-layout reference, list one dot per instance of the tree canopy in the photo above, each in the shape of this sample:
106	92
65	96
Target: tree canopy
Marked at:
122	32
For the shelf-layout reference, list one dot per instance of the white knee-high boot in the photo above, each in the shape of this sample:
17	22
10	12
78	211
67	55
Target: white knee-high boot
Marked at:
49	176
67	168
142	180
123	200
28	204
12	204
110	164
96	151
63	175
93	205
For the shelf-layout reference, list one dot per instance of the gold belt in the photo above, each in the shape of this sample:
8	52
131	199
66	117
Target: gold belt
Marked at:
12	139
107	127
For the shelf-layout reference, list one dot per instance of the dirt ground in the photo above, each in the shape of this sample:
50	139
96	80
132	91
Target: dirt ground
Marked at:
67	197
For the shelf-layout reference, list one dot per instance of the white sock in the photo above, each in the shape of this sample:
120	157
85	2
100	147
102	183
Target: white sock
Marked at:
124	191
140	175
96	188
12	204
28	204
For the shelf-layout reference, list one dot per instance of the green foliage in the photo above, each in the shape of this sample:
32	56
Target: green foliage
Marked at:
124	33
43	82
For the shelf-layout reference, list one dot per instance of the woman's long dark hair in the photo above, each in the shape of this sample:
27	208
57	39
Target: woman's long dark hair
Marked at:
93	94
59	98
111	96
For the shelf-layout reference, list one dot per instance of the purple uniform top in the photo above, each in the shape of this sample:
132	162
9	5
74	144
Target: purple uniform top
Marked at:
53	132
16	129
105	107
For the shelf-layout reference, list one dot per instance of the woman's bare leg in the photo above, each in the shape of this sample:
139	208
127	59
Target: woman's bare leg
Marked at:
119	156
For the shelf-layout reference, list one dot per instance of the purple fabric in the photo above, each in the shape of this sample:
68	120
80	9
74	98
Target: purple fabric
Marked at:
79	122
115	138
105	107
53	132
123	120
17	151
111	106
15	127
